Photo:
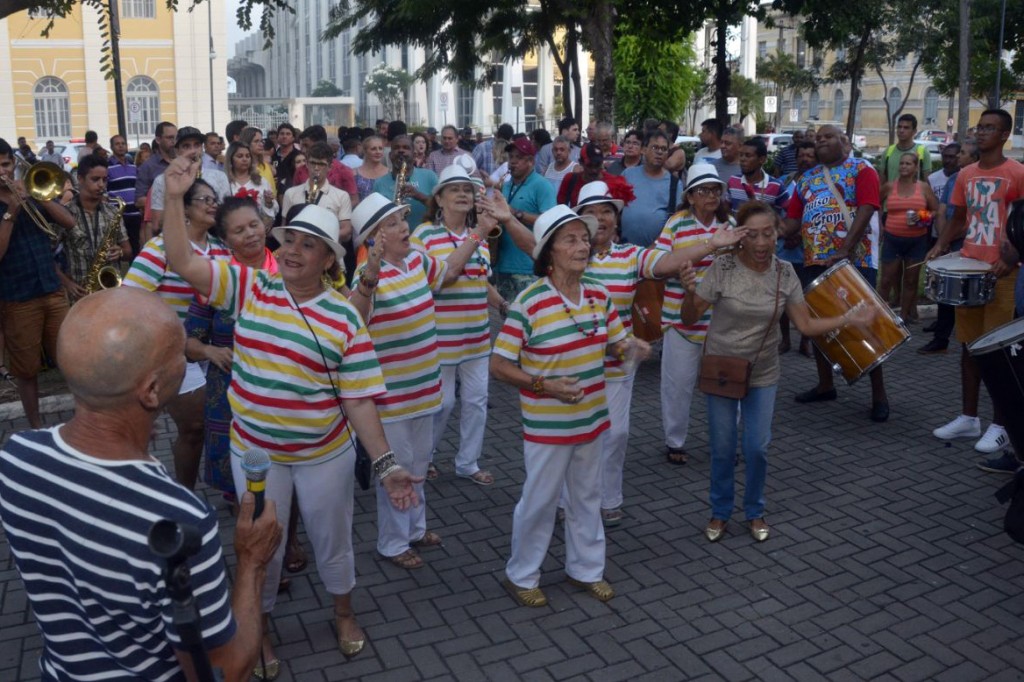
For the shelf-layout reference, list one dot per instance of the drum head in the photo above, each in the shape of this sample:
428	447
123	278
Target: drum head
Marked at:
828	273
954	262
1000	337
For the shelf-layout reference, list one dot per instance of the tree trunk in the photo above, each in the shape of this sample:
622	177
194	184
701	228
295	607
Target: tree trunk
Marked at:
563	69
856	74
722	75
964	85
598	29
573	57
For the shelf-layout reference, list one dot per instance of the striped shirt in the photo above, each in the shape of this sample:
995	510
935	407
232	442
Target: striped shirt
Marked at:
463	325
619	269
281	394
402	327
546	341
683	230
149	271
78	528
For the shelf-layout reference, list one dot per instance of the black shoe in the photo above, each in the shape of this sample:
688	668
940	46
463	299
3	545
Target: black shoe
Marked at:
931	328
880	411
815	396
934	347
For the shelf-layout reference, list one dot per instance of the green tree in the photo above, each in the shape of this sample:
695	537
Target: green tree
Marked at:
389	85
326	89
653	79
780	74
749	96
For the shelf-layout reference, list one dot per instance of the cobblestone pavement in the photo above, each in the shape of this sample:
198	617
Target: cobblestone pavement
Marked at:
886	562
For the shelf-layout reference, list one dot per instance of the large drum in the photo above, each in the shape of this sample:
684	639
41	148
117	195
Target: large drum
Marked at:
956	280
853	352
650	294
999	356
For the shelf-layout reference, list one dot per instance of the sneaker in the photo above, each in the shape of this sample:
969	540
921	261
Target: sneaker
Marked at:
1005	463
994	440
961	427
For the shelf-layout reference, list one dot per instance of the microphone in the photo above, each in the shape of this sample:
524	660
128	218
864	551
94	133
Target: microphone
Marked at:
256	464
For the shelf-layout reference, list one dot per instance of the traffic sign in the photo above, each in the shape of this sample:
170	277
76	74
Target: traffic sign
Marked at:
135	111
443	100
794	115
771	104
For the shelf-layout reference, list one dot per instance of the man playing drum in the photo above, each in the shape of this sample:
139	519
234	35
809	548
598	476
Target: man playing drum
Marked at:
834	231
981	200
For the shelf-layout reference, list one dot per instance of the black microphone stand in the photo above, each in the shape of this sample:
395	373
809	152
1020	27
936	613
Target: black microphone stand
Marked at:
175	543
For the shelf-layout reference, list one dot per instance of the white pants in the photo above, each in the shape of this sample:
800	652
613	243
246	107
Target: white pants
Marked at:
410	440
473	375
680	367
615	440
548	468
324	493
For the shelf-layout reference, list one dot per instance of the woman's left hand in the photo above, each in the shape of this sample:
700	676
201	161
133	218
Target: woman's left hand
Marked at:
400	490
496	206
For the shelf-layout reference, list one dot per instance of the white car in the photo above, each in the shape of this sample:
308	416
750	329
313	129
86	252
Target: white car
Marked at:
66	148
688	139
776	141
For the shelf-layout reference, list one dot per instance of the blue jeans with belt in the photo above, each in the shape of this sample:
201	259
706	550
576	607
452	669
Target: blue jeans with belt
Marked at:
758	409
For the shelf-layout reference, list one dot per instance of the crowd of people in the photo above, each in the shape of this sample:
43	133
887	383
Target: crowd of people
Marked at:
329	300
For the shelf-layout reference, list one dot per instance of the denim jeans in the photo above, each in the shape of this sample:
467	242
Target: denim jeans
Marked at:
758	409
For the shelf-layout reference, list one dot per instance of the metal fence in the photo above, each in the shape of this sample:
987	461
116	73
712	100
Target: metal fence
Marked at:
265	114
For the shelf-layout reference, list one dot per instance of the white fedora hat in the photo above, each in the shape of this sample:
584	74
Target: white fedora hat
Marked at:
550	220
596	192
370	211
452	175
317	221
702	174
466	163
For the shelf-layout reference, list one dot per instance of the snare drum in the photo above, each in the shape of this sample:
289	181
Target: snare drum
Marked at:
999	356
853	352
956	280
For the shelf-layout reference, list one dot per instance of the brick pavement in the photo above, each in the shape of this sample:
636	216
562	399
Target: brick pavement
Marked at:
886	562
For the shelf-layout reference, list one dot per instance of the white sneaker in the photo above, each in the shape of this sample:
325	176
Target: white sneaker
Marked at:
994	440
961	427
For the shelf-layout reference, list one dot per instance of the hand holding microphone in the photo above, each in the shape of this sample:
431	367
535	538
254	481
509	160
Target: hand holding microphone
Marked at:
256	465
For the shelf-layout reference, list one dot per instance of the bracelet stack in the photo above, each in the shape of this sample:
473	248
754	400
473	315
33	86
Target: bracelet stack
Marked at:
475	238
385	465
538	385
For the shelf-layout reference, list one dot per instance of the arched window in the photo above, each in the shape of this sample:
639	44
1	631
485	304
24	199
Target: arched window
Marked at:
895	97
838	105
53	116
143	103
931	106
798	106
815	106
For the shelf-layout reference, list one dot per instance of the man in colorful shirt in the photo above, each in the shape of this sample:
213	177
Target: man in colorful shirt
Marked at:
752	183
981	200
833	232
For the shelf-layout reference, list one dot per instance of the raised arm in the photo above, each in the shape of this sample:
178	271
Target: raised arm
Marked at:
194	269
673	261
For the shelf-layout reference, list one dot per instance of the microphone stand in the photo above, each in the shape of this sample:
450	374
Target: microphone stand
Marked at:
175	543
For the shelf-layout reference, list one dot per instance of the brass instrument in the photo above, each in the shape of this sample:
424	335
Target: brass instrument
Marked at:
44	181
400	179
101	274
314	191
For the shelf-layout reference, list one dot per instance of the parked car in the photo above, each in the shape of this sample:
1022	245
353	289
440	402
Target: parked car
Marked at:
776	141
933	136
934	148
68	149
688	139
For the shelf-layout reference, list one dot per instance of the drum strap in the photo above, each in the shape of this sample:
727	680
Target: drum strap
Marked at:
847	216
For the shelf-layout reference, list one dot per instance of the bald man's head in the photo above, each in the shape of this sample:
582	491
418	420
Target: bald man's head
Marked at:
828	144
117	342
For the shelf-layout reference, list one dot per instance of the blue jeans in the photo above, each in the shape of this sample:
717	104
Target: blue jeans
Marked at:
758	409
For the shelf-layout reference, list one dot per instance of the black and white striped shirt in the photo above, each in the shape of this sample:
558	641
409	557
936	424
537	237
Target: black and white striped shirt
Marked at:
78	527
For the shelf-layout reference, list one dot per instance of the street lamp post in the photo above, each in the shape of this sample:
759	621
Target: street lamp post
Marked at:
213	55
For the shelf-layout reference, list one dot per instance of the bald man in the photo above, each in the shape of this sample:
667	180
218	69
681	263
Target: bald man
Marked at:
78	500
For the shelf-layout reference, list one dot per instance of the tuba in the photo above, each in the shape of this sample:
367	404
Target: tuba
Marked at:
101	274
44	182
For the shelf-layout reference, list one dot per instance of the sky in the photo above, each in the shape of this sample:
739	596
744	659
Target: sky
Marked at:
235	33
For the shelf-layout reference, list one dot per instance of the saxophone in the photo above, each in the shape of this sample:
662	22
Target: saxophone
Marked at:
313	193
101	274
403	173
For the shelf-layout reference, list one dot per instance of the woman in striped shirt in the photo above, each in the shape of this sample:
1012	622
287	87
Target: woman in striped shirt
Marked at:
463	325
394	293
552	348
619	267
150	271
303	367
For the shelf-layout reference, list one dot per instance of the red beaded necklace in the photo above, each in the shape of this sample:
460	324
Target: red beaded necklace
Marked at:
593	311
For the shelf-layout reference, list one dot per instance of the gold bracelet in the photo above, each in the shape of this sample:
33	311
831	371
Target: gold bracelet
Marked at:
538	385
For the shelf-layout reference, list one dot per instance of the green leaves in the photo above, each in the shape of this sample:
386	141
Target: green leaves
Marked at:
653	79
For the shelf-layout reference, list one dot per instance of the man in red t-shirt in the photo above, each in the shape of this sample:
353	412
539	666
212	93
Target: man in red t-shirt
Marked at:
981	199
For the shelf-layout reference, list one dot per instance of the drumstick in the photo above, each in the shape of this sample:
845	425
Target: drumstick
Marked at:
916	265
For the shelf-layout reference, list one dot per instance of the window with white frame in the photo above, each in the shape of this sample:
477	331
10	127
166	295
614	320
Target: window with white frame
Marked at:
138	9
52	108
815	106
838	105
142	93
931	106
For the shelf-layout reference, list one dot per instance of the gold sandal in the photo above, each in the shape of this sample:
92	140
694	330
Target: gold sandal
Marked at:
532	597
268	672
600	590
348	647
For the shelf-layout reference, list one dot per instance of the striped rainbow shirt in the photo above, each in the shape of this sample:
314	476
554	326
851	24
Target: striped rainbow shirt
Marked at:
680	231
402	327
463	326
544	340
281	397
149	271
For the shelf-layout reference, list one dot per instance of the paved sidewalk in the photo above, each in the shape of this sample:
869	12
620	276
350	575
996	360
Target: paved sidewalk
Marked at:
886	562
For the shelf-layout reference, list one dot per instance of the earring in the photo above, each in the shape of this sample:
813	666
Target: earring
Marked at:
550	268
440	216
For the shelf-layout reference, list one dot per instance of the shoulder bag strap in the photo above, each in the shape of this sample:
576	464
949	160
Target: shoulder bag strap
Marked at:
775	311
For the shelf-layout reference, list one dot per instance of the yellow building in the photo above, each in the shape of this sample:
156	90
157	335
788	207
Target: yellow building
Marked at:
53	88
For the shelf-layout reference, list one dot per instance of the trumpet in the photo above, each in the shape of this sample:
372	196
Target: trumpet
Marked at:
44	181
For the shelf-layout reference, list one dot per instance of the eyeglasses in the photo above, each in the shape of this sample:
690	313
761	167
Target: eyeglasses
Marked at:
708	191
208	199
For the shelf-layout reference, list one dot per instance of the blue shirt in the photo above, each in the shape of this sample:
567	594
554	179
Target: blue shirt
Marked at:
947	193
121	184
420	178
645	216
28	269
535	195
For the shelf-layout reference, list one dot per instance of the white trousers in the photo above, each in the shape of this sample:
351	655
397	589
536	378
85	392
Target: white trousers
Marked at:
324	493
680	367
473	375
410	440
548	469
615	440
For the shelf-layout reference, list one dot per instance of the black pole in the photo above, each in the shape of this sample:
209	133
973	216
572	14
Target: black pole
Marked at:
115	59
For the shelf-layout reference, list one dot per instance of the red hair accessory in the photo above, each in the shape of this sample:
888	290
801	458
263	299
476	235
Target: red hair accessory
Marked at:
619	188
244	193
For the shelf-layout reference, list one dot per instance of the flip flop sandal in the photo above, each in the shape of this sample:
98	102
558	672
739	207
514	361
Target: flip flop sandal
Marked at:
269	671
676	457
429	539
408	560
432	472
480	478
297	563
532	597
